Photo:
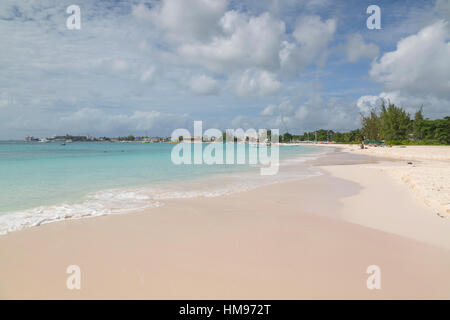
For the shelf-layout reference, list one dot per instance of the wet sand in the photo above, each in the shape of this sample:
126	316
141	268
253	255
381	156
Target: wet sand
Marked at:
291	240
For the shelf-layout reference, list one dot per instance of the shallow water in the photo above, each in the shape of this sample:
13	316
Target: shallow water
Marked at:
45	182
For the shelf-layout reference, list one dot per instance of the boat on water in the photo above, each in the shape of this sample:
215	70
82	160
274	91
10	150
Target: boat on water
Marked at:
258	144
43	140
31	139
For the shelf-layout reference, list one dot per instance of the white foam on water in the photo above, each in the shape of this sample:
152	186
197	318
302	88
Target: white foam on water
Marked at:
119	201
94	206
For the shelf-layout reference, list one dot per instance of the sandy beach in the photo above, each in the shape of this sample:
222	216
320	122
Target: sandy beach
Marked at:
305	239
424	169
211	150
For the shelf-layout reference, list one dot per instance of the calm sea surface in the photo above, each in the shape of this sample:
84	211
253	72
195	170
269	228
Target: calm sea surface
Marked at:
44	182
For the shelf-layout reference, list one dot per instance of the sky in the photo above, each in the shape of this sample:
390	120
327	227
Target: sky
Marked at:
149	67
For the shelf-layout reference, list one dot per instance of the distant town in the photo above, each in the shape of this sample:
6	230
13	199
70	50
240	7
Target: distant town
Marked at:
252	138
71	138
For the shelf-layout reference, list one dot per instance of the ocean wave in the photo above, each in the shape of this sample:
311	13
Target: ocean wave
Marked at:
94	206
119	201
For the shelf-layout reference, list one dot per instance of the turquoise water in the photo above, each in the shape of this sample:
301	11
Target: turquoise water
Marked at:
36	175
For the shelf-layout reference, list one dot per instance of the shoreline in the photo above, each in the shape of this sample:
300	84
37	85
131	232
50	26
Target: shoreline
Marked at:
280	241
424	170
109	201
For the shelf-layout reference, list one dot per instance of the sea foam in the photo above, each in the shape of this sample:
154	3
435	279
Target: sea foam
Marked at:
120	201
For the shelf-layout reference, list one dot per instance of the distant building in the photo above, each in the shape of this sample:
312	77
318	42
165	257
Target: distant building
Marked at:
70	137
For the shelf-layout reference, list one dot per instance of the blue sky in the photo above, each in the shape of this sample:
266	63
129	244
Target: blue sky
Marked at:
139	67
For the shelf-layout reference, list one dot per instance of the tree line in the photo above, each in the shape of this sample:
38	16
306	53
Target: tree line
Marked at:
391	124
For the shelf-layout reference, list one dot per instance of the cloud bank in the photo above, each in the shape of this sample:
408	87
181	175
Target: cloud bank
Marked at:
151	66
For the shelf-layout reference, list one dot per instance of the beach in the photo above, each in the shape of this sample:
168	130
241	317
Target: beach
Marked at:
224	150
425	170
304	239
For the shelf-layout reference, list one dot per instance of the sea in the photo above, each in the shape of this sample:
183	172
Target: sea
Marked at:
47	182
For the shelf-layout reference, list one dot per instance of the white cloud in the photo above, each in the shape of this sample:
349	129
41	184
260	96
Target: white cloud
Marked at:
433	107
254	82
183	20
103	122
6	101
309	115
246	42
244	48
285	108
148	74
269	110
241	122
420	65
301	113
119	65
202	84
306	113
313	36
251	50
416	73
356	48
366	103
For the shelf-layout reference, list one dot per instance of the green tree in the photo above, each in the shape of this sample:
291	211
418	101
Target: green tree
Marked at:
442	130
355	136
395	122
338	137
417	123
287	137
371	126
